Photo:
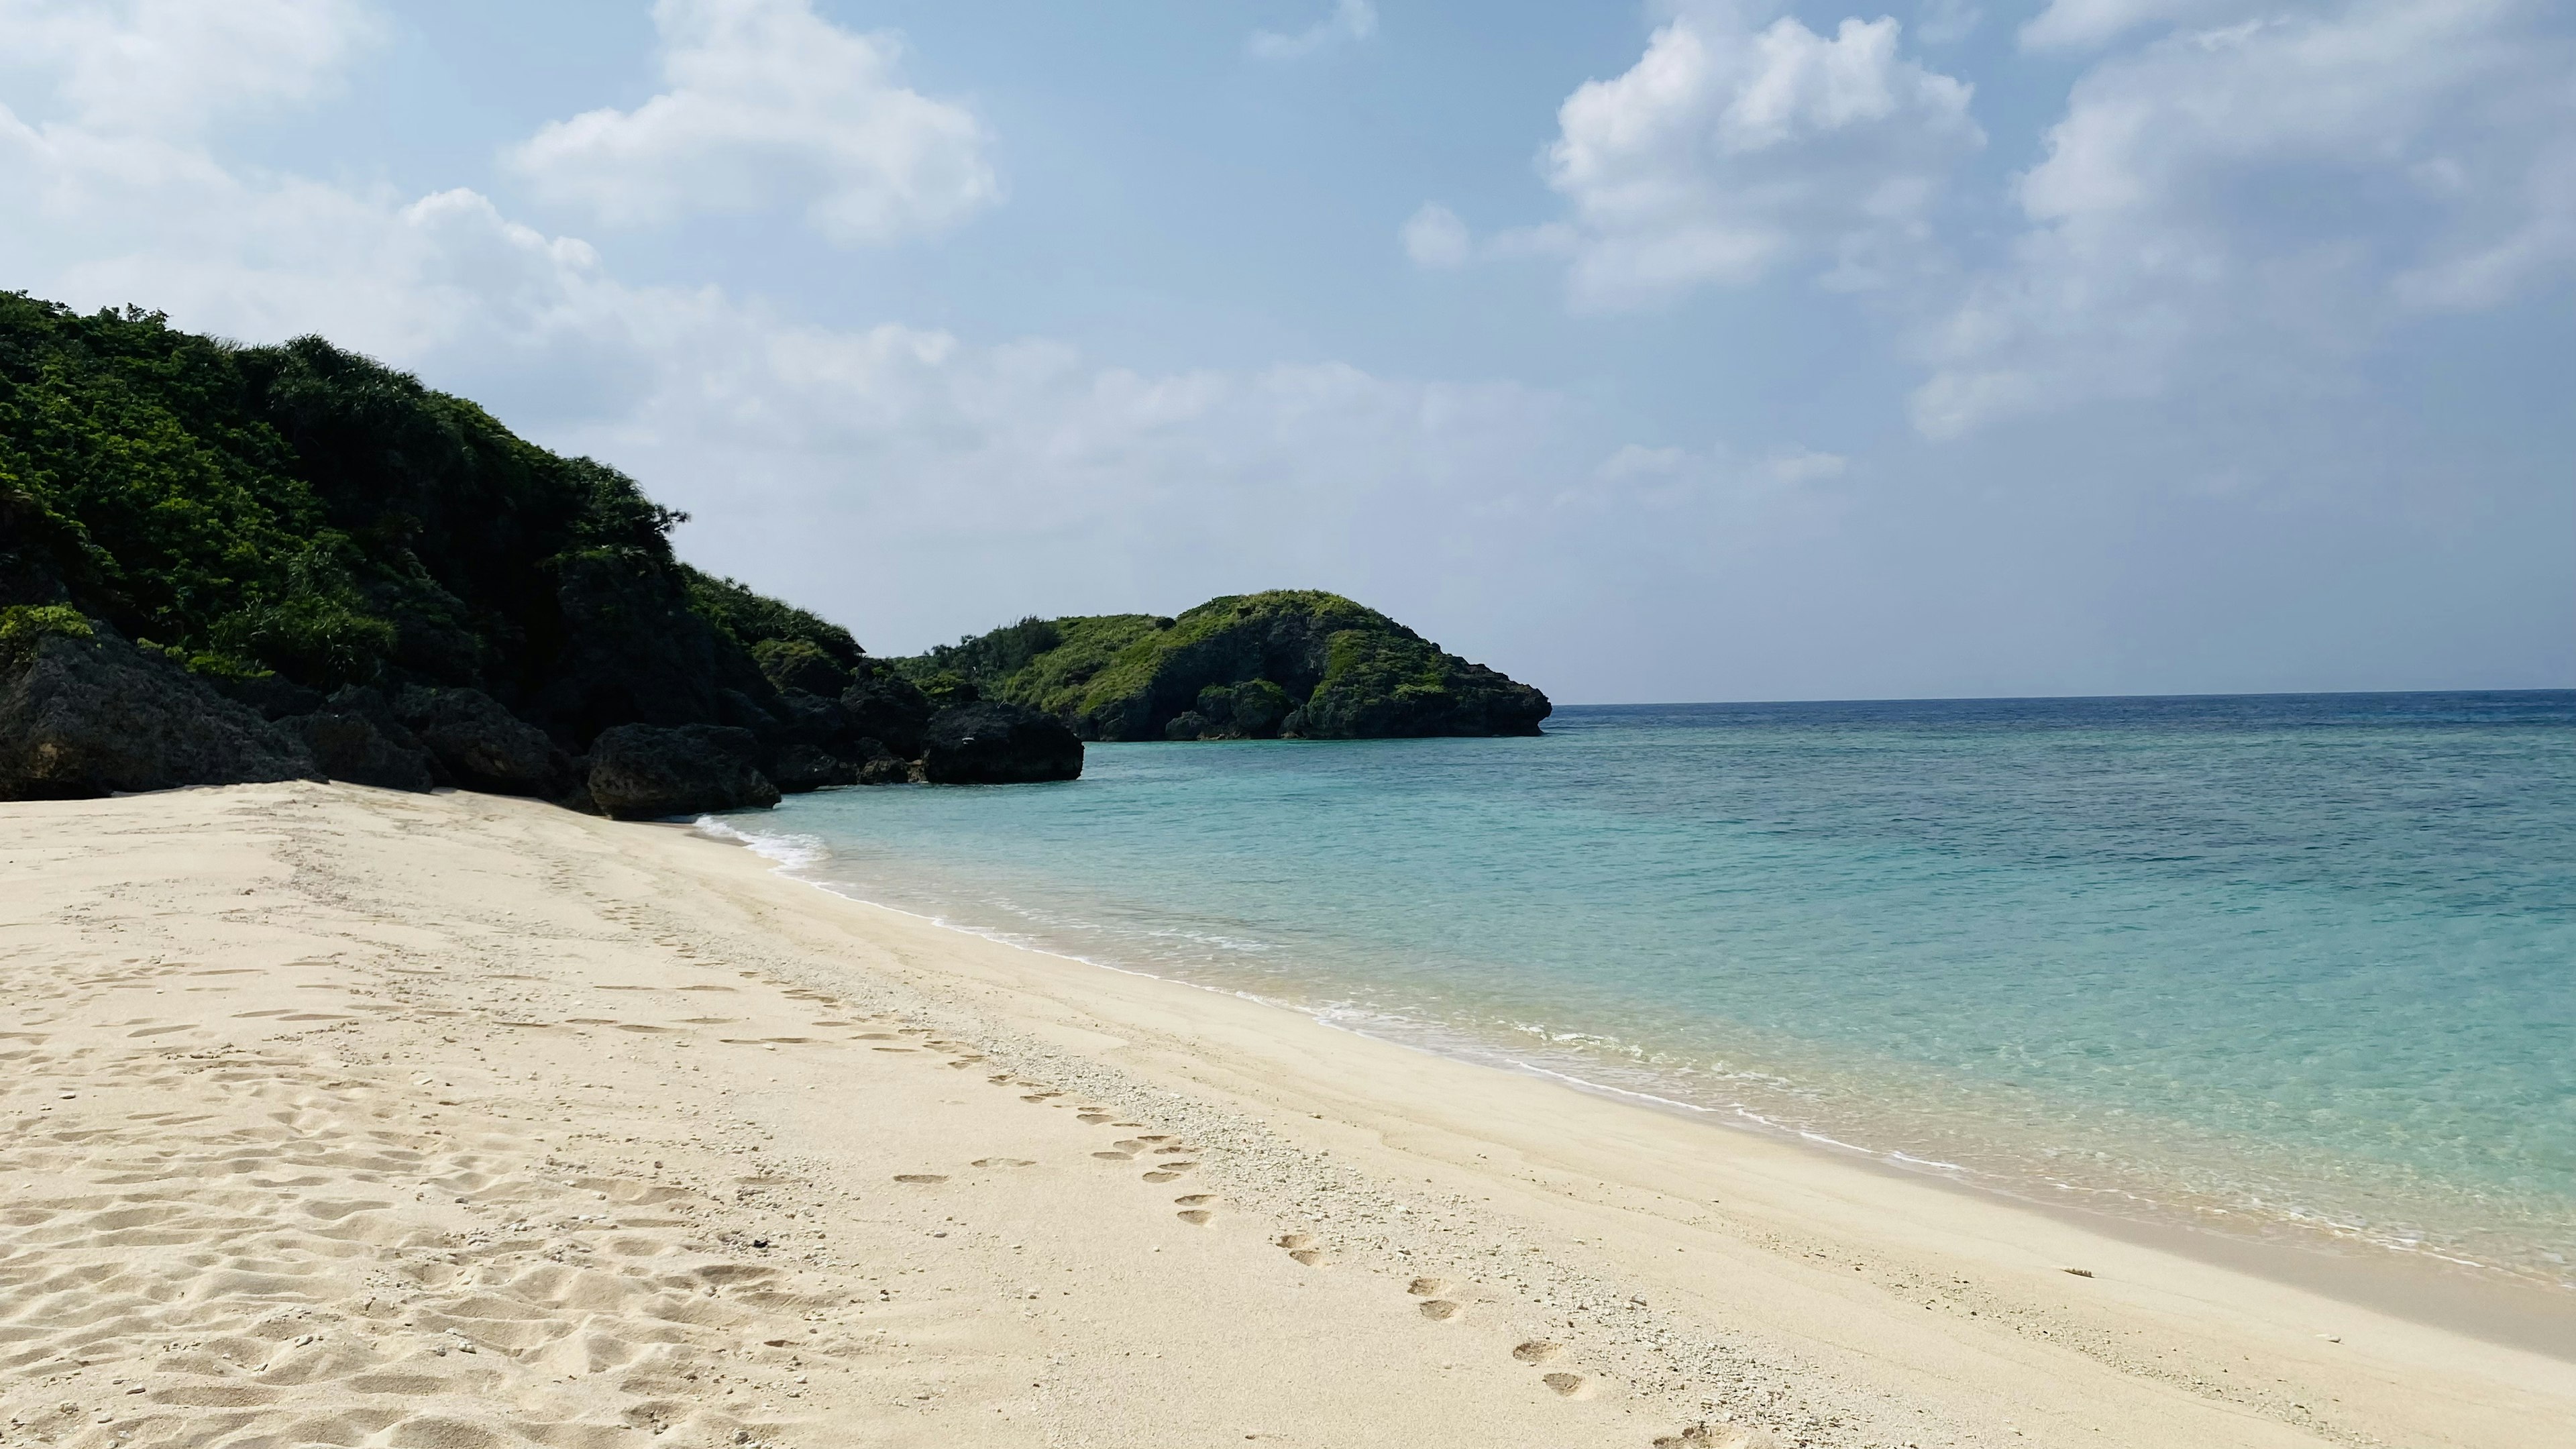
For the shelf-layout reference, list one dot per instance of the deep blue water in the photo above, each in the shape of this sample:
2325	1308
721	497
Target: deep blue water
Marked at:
2286	964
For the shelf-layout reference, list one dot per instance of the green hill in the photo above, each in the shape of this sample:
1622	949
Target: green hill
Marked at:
1290	663
301	514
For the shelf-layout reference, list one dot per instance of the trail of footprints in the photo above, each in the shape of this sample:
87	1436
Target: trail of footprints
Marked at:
331	1269
1169	1158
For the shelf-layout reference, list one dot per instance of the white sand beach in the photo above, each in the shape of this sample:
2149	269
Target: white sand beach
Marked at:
339	1116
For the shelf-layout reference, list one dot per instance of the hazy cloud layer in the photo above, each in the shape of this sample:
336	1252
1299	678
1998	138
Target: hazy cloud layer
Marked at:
2254	204
1350	21
770	106
170	66
2225	205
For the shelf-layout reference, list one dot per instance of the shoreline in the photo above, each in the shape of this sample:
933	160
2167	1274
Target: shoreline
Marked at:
2424	1285
617	1135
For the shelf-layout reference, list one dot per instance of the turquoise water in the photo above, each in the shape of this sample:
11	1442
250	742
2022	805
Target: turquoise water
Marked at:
2287	966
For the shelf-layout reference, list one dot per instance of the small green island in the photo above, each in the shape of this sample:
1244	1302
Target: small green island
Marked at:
224	564
1286	664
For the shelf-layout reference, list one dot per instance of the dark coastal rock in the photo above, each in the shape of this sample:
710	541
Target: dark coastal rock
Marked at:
356	738
994	743
274	695
645	772
798	768
887	770
814	719
480	745
885	706
82	717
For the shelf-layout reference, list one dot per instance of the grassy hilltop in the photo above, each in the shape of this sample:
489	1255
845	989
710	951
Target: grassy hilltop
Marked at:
1296	663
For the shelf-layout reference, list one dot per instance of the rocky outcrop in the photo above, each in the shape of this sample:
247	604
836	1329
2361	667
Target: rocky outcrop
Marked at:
996	743
82	717
796	769
481	746
886	707
647	772
356	737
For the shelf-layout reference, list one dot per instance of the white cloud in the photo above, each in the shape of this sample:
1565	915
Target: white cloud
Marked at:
2086	24
1351	20
1946	22
1727	153
1435	237
770	104
171	66
888	474
2255	205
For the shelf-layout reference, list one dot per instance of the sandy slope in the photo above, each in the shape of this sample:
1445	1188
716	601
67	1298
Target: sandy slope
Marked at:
337	1117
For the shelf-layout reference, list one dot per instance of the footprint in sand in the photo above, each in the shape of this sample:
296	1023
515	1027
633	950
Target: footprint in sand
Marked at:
1426	1287
1116	1156
1196	1199
1165	1175
920	1179
1301	1248
1717	1436
1441	1310
1537	1350
1091	1118
1201	1217
1566	1385
1001	1162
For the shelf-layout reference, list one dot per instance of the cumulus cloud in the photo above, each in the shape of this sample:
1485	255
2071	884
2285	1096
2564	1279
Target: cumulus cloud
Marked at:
171	66
1728	153
1351	20
1435	237
888	474
769	105
2257	203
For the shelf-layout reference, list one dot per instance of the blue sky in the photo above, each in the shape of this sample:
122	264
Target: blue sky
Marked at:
1683	351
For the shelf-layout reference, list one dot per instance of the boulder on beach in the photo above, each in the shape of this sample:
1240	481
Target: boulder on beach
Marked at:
480	745
798	768
362	748
646	772
83	713
995	743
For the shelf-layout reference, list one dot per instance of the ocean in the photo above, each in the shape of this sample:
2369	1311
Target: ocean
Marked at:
2299	967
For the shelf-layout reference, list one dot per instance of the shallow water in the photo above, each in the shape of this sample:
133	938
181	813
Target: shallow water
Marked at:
2286	965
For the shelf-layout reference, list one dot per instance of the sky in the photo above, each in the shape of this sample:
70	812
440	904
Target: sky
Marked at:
1666	352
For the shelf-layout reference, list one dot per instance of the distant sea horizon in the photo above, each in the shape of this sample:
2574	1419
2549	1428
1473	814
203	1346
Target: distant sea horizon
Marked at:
2297	967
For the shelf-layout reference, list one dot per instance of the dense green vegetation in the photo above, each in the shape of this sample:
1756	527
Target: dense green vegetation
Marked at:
1288	662
285	522
304	513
